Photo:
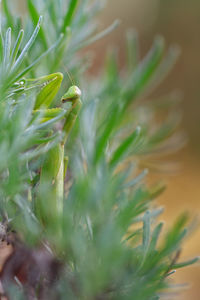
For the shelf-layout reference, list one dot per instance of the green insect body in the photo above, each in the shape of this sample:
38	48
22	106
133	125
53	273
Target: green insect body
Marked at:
51	185
54	166
73	95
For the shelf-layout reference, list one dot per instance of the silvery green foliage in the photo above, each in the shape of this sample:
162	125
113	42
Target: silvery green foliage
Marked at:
110	235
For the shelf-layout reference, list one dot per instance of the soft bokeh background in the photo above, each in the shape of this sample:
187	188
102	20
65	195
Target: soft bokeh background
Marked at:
179	22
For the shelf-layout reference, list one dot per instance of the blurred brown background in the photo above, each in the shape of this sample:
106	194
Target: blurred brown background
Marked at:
179	22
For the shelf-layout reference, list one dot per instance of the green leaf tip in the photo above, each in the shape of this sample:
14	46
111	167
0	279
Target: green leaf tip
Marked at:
186	263
40	21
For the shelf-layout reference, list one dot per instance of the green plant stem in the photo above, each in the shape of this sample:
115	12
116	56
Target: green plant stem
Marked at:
69	15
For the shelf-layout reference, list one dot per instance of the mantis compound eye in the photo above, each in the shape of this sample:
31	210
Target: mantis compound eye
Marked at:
72	94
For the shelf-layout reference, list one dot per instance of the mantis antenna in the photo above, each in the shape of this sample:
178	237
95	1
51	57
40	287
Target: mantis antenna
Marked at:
69	75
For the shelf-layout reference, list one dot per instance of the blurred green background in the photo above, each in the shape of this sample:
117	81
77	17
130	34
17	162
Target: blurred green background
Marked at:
179	22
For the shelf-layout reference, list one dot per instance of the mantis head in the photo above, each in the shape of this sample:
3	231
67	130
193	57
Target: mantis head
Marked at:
72	94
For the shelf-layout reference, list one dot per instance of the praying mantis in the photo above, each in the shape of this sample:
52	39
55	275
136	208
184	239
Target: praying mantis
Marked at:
53	170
